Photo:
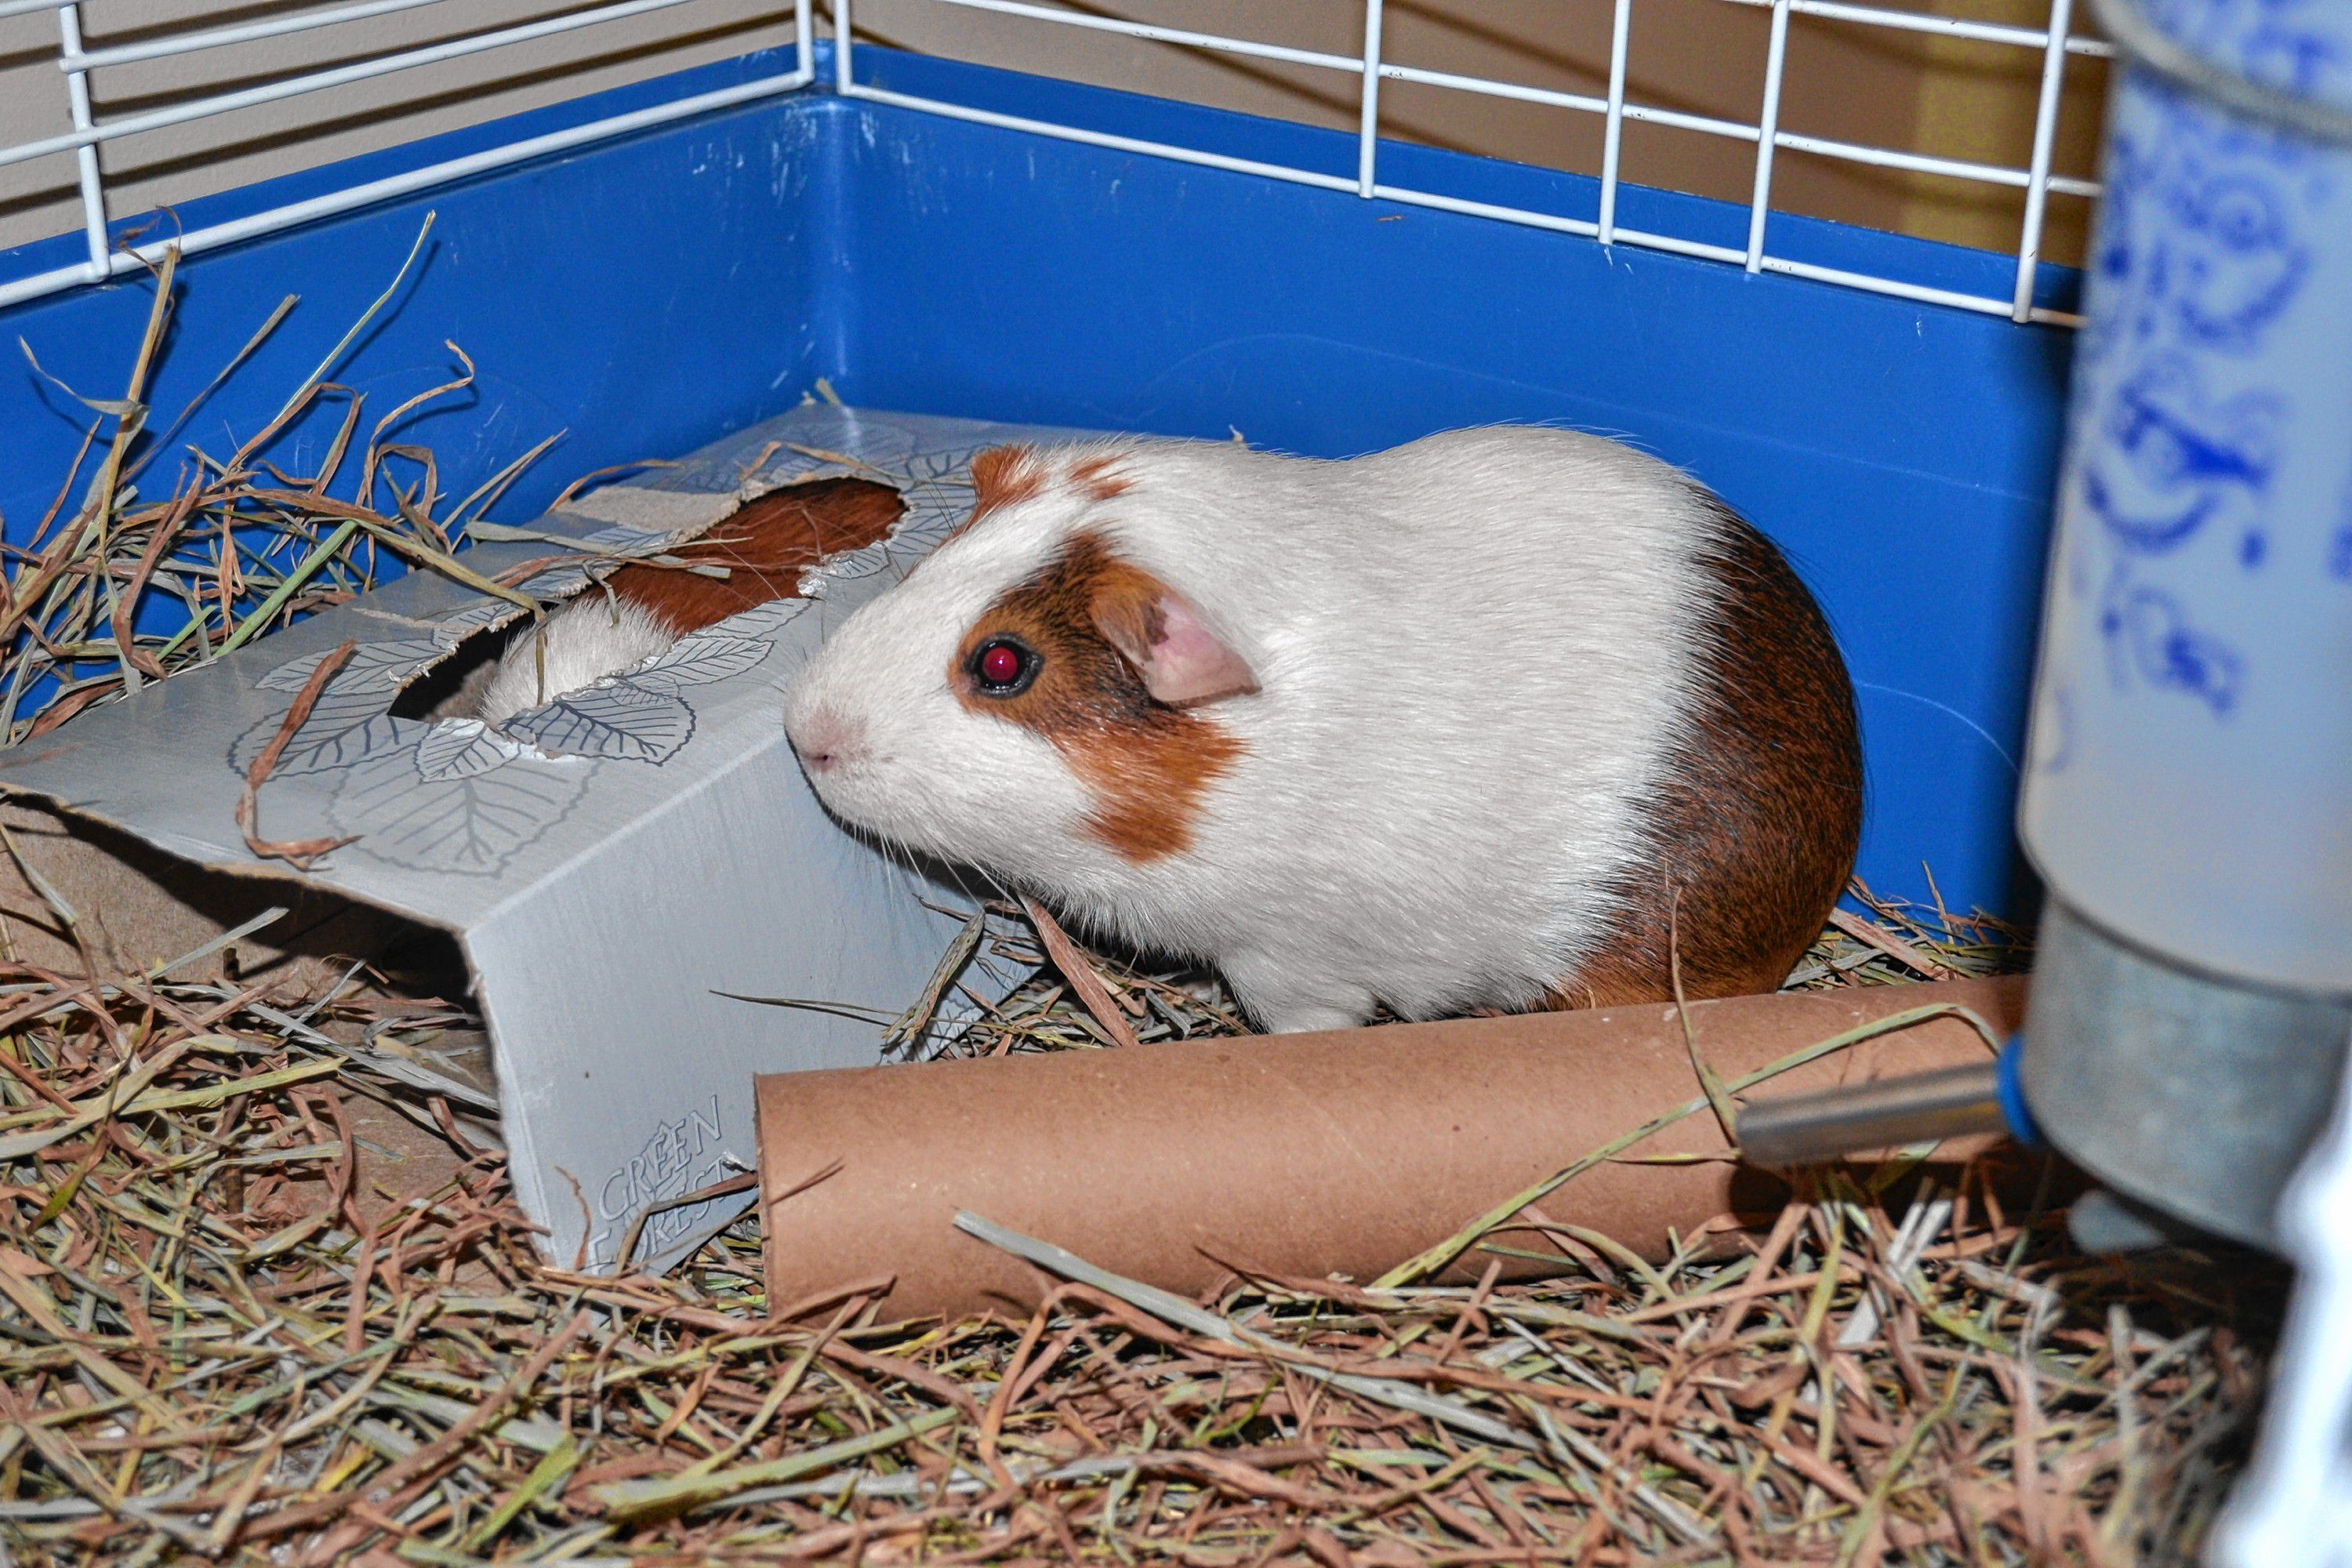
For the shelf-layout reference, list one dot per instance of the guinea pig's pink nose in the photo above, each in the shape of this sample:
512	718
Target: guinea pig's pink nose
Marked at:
823	737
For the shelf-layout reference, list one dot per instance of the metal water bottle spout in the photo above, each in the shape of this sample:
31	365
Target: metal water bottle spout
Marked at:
1959	1102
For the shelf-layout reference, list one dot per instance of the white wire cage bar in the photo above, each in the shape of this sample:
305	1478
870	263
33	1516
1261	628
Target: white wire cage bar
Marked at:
221	37
86	134
2054	42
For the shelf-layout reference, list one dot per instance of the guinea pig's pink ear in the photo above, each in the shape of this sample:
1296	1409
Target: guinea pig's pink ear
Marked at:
1157	630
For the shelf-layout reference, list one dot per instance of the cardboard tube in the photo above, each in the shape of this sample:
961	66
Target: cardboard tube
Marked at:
1305	1155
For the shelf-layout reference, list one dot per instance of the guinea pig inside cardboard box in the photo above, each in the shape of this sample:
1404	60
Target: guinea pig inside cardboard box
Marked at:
1503	719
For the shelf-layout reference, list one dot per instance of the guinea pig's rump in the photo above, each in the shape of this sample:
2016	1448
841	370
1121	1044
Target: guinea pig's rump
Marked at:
1758	815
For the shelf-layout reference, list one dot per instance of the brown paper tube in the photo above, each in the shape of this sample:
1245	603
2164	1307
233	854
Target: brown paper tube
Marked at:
1302	1155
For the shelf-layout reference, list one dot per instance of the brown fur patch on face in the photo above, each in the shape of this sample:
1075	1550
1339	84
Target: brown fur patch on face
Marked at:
1095	480
1759	814
1146	767
765	545
1002	477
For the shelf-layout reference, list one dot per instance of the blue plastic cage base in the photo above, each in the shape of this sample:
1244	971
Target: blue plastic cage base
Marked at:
647	295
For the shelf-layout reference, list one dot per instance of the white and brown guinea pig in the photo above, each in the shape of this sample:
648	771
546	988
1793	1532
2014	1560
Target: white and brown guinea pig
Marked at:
766	544
1472	722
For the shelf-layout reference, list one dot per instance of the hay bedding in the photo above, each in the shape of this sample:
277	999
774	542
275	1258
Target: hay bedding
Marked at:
231	1333
264	1295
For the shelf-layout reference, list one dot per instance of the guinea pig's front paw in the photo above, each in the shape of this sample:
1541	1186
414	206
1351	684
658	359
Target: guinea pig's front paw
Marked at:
1282	1003
1310	1018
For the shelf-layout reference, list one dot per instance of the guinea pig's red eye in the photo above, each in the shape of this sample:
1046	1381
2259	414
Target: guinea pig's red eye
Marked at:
1002	668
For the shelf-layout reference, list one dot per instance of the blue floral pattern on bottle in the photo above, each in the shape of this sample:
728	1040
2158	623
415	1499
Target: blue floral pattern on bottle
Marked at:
2204	249
2175	462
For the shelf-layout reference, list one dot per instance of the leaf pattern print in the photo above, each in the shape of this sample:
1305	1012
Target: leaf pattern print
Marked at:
612	718
469	827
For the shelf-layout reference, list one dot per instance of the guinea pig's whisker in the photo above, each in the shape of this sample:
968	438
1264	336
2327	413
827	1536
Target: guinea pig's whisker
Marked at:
963	877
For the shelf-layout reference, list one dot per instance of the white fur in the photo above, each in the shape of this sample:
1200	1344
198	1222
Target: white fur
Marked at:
585	640
1475	654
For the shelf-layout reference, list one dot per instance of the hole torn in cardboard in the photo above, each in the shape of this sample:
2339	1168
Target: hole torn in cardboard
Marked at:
632	608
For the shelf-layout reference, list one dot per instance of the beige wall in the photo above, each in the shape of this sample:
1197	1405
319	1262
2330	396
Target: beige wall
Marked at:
219	153
1850	83
1706	56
